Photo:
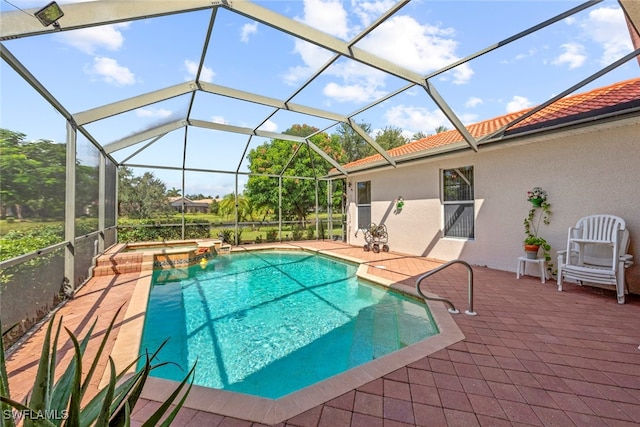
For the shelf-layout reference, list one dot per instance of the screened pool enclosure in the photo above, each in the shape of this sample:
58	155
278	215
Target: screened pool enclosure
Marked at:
265	102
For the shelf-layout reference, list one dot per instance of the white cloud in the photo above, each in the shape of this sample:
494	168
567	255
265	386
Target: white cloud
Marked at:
607	27
206	75
527	54
357	82
111	72
415	119
88	40
353	81
247	30
348	92
574	55
269	126
473	102
153	112
326	15
418	47
368	11
400	39
518	103
219	119
312	56
468	118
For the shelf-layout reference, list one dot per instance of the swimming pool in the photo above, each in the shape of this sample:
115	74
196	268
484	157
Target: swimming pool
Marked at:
268	323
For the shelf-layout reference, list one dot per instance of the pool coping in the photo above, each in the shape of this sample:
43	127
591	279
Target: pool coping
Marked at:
273	411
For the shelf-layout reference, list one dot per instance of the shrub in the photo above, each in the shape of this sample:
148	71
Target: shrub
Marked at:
112	405
272	235
296	233
150	230
20	242
311	232
226	235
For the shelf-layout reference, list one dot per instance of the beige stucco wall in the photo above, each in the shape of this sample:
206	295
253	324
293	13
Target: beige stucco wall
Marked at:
585	171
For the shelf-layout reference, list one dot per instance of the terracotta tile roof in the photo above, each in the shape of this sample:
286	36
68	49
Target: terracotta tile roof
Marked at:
616	97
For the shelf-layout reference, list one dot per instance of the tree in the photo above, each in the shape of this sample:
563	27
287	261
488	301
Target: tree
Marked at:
198	196
418	136
227	205
441	129
34	174
391	137
214	206
298	194
16	169
354	146
141	196
174	192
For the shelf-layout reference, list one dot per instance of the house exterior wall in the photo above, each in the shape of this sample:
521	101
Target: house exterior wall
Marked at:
585	171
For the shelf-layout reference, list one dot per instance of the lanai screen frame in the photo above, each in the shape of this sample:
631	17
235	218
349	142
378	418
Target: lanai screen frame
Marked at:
18	24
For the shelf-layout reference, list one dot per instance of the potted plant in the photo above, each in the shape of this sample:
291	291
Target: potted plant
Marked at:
539	213
537	196
532	245
399	204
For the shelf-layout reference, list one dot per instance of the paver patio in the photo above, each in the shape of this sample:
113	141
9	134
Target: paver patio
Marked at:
532	355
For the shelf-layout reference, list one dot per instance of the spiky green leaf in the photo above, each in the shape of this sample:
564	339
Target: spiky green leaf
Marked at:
38	422
167	422
157	415
40	395
96	360
105	412
4	388
62	389
76	392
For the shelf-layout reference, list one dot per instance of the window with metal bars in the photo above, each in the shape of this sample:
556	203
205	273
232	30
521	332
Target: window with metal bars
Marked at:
364	204
458	202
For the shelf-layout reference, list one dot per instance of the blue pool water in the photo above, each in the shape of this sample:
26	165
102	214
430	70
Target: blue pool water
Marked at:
269	323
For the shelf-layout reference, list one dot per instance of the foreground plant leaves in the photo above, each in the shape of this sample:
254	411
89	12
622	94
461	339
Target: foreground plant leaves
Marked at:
59	404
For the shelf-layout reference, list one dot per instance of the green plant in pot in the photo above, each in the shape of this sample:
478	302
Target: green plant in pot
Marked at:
539	212
532	245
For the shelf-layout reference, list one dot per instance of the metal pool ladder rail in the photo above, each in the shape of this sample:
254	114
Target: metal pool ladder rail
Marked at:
452	309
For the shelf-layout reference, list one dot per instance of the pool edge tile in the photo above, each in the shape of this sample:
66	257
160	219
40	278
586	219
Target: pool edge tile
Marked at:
127	343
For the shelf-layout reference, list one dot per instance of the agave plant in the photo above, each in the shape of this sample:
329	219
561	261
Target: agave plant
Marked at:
59	403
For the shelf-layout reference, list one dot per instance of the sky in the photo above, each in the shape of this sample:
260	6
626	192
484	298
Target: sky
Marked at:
91	67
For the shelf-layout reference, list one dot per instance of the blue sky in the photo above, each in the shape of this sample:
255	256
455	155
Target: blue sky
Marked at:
90	67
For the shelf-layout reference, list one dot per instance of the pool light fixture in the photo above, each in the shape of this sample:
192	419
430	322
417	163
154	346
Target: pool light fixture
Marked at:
50	14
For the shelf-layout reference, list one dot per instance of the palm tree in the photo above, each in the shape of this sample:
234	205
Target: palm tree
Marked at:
174	192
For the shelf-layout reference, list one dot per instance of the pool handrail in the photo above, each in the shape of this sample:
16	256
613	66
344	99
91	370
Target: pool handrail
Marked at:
452	309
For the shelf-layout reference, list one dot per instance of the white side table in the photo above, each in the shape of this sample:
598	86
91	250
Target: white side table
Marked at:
522	264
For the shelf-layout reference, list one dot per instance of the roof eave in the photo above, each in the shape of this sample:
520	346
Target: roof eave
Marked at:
508	138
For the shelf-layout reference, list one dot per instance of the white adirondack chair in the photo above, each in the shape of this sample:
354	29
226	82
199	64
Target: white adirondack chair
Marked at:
596	254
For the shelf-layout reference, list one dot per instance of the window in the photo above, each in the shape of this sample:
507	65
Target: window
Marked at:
364	204
457	199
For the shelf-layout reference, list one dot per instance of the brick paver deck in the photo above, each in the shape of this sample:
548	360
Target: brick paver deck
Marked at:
532	355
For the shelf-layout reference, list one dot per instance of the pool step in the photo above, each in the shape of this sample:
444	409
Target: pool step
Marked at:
362	343
115	262
120	263
385	333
